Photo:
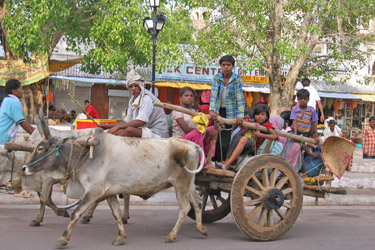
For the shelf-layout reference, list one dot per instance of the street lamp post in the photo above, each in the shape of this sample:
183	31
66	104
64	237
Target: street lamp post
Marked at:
154	26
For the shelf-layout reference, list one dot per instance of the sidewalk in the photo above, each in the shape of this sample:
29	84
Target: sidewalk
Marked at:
360	185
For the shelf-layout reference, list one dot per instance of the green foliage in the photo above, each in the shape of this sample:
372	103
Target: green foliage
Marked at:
277	34
110	30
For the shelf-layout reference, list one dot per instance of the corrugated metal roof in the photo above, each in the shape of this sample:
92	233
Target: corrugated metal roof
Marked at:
351	87
321	86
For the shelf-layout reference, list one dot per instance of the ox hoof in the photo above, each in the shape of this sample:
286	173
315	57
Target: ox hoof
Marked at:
64	213
118	242
34	223
124	221
168	240
203	231
85	220
61	243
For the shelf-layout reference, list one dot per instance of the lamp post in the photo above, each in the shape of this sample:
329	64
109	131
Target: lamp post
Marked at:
153	26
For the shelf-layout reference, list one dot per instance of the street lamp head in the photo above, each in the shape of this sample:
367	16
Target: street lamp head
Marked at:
148	23
154	3
160	21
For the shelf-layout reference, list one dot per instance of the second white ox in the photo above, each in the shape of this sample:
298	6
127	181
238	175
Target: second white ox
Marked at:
125	165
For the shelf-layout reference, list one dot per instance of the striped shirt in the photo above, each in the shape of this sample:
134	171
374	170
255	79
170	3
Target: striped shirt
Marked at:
235	102
368	141
304	120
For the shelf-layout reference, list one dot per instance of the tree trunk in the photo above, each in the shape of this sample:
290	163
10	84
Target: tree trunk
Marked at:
33	99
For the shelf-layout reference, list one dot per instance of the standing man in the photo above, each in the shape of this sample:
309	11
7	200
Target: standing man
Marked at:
10	117
314	97
91	110
227	101
368	137
143	119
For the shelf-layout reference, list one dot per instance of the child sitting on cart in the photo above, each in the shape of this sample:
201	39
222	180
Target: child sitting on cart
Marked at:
183	126
242	142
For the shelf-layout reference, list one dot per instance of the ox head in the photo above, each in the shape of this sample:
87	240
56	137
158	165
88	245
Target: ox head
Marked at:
50	155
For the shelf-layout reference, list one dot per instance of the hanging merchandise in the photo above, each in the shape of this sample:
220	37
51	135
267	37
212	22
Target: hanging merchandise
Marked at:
264	98
261	99
354	104
336	105
268	98
256	97
351	105
249	100
330	102
324	102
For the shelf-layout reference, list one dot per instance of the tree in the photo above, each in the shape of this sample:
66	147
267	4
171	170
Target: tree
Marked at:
111	31
272	34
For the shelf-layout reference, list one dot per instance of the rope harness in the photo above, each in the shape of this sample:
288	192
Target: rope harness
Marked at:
70	172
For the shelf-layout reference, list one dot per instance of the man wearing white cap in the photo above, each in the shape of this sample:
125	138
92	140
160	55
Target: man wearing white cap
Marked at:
143	119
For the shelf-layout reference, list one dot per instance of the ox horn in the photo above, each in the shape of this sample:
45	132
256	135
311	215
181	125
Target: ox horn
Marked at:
41	124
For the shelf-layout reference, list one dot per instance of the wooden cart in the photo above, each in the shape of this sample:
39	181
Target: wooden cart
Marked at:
265	195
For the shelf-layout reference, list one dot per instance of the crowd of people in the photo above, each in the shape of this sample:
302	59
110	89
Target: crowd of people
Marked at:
221	144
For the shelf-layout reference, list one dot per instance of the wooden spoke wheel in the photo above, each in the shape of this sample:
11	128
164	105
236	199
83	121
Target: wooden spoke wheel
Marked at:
266	197
215	205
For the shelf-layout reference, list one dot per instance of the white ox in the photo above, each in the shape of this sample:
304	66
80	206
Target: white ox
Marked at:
11	164
121	165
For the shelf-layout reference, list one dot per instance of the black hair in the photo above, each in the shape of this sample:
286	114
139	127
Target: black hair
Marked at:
305	81
285	115
227	58
262	108
86	101
331	122
184	89
250	112
372	118
303	93
73	111
11	85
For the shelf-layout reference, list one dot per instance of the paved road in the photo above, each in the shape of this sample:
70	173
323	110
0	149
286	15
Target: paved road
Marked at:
316	228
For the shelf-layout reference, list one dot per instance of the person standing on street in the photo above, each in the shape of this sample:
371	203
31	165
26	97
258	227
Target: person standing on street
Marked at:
314	97
368	137
91	110
11	117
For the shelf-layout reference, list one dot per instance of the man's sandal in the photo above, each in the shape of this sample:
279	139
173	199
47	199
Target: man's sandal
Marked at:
24	194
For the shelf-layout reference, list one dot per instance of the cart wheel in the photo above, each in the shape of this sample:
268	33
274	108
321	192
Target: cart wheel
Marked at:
215	205
266	197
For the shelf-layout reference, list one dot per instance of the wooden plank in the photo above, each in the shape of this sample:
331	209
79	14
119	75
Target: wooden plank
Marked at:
253	126
220	172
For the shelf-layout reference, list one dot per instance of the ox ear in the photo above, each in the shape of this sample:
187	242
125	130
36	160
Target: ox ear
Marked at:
41	124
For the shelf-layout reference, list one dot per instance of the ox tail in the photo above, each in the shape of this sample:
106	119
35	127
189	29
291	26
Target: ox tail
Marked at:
201	163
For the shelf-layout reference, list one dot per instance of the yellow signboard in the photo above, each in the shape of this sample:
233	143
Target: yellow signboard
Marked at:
26	73
255	79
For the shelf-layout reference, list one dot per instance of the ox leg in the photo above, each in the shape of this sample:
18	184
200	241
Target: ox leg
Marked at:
87	201
88	215
182	194
116	211
45	199
196	202
125	216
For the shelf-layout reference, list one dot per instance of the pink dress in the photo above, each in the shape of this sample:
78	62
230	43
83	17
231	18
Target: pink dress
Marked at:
203	140
291	150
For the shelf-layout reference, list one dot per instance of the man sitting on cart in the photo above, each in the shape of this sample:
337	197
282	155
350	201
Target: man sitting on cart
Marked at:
143	119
